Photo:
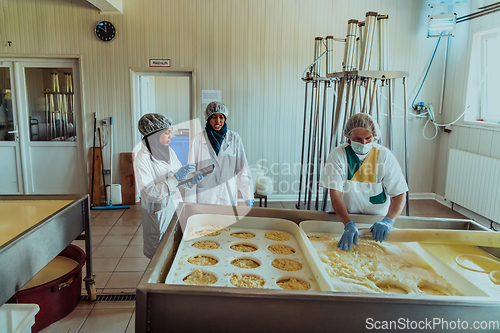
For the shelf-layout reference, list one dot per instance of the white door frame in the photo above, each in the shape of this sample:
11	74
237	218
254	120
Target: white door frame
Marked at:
16	144
19	64
134	88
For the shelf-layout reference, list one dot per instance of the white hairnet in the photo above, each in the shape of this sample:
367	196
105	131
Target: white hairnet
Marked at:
153	122
215	107
363	121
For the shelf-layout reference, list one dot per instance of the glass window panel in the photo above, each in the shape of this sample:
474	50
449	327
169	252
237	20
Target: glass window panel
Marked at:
51	104
6	113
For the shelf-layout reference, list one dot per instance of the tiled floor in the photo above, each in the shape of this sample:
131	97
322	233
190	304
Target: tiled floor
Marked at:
119	264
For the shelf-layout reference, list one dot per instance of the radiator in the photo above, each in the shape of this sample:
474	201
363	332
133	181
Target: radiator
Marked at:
473	182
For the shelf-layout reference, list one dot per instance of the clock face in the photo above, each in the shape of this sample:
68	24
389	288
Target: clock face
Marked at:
105	31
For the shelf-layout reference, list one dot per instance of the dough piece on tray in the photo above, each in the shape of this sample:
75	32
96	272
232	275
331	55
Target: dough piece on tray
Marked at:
277	236
199	278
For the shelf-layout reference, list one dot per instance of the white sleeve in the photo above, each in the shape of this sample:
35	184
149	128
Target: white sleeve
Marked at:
244	176
392	177
334	172
153	188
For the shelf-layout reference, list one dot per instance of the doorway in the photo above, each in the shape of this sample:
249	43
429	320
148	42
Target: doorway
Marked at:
169	93
41	139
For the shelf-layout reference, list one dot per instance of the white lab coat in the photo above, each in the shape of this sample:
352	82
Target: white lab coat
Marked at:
230	171
159	195
359	196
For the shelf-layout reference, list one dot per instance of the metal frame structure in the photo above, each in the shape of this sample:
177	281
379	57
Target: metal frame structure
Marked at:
355	82
25	255
190	308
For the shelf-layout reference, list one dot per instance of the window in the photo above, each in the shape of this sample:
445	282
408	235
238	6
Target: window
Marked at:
483	89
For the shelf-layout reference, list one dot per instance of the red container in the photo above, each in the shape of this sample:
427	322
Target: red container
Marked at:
56	298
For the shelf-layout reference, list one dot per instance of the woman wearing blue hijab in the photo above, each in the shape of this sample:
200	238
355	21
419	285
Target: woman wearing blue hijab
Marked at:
223	149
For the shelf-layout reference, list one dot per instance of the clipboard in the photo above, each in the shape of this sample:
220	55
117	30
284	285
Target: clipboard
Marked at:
204	172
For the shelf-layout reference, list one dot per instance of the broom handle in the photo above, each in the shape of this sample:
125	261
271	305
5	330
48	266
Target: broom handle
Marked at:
102	167
111	162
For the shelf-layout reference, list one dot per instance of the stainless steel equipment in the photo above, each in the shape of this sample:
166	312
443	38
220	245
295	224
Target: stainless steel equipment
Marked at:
25	255
178	308
355	81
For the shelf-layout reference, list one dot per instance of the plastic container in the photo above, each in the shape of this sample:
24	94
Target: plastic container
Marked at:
17	318
264	186
335	229
56	298
226	255
116	194
257	171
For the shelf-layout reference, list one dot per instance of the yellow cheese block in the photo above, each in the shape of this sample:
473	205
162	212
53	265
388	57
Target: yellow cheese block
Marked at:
58	267
19	215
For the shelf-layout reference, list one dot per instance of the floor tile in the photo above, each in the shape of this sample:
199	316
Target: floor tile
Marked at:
71	323
94	213
134	251
114	305
289	204
109	251
132	265
115	291
276	204
107	321
131	324
137	240
99	230
124	280
128	222
101	279
102	222
112	213
96	240
84	305
122	231
105	264
117	240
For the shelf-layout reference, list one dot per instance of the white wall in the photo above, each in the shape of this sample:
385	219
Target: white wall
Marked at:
253	50
465	136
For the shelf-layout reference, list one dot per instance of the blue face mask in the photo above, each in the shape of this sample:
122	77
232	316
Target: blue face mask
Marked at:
360	148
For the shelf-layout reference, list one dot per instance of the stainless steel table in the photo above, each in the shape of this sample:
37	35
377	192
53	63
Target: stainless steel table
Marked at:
25	254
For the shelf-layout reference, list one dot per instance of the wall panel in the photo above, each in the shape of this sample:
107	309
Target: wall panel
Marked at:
253	50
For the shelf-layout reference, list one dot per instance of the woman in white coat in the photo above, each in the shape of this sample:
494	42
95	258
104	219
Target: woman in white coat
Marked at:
223	148
157	172
364	178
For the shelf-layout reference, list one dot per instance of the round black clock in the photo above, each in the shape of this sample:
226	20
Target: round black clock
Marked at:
105	31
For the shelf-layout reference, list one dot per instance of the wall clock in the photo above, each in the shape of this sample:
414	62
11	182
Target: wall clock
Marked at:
105	31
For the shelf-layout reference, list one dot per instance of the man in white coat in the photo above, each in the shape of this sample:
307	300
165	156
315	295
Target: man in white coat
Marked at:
223	149
158	172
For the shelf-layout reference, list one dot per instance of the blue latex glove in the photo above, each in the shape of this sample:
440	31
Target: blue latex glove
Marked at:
350	236
249	203
381	229
197	178
183	171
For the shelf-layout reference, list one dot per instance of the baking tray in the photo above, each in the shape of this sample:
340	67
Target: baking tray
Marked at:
183	308
223	269
464	286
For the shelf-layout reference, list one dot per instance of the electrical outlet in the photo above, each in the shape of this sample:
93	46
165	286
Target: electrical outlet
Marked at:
105	121
107	171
